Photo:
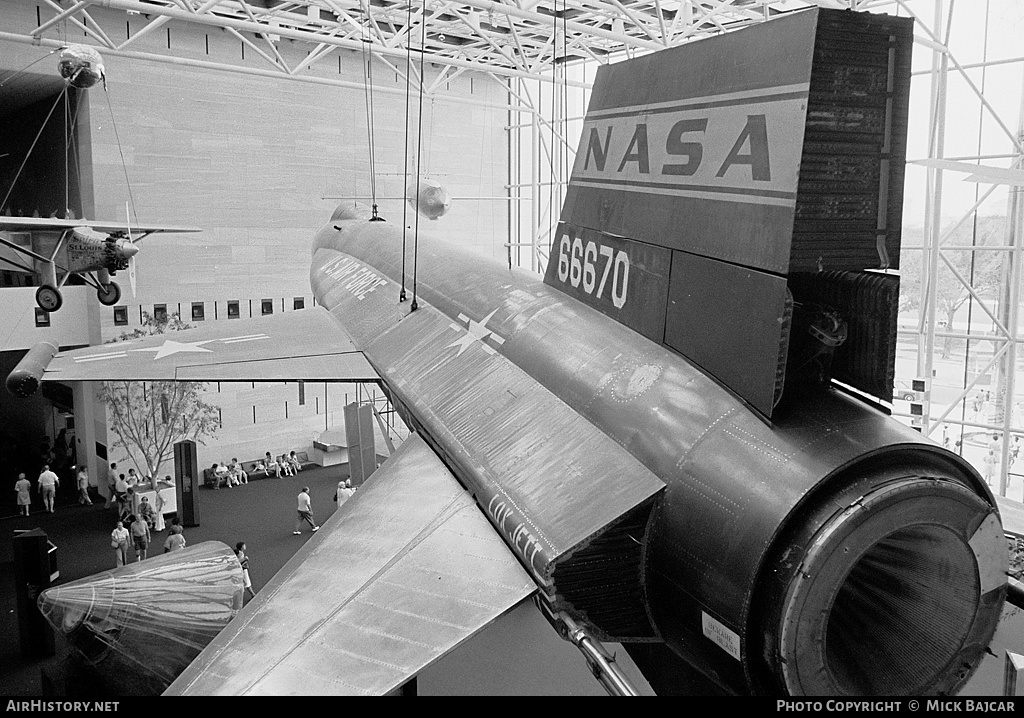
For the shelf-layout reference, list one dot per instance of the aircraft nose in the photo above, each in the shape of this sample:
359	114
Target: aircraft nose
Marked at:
129	250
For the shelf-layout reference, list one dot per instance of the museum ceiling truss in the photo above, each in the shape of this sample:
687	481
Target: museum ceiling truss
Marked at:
511	39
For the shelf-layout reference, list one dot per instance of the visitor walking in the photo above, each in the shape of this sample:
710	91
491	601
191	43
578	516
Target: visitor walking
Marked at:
111	480
140	536
244	560
305	512
48	483
121	496
83	486
175	540
345	492
119	542
23	487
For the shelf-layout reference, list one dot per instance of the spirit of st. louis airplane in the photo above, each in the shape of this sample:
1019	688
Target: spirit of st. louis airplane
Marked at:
63	248
677	440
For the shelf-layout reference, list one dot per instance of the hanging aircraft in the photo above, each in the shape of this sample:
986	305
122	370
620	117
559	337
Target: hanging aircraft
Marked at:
63	248
678	439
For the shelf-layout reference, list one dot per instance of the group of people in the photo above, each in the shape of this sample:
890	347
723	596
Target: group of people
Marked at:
135	527
305	505
123	486
48	483
287	465
140	536
234	475
229	474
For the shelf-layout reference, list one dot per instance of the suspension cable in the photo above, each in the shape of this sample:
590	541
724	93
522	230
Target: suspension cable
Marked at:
67	137
33	146
124	165
419	151
566	170
368	101
71	146
405	154
553	165
24	69
974	234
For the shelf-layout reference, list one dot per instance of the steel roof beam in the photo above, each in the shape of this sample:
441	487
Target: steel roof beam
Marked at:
243	70
550	20
306	36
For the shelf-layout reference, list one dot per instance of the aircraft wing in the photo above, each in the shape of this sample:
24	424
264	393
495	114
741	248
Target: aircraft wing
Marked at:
307	344
977	173
38	224
407	570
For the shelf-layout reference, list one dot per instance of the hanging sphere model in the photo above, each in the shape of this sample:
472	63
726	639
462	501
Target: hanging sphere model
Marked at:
81	66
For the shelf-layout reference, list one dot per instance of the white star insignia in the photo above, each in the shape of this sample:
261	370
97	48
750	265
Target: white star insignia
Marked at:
477	332
170	347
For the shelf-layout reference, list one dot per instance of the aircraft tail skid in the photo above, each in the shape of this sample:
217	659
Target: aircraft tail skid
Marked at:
734	200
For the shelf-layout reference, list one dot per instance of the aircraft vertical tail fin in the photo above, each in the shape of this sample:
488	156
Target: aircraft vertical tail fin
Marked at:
730	195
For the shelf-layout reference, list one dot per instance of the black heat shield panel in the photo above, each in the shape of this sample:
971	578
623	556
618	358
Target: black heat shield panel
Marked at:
730	321
603	581
849	206
869	302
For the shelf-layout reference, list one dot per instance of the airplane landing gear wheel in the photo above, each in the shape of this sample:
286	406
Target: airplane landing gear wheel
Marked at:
109	295
48	298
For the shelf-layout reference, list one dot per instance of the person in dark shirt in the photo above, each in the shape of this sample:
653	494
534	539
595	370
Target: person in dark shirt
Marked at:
140	536
244	560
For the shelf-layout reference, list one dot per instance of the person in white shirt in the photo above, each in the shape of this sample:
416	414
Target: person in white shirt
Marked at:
345	491
286	467
48	483
121	495
221	474
272	466
305	512
119	542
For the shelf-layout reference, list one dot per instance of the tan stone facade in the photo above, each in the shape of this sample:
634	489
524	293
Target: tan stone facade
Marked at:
251	160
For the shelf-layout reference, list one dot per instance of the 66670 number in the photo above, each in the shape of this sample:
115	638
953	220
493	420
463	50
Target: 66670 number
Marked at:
578	264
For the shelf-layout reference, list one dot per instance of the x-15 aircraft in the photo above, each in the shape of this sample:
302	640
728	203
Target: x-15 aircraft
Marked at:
677	440
63	248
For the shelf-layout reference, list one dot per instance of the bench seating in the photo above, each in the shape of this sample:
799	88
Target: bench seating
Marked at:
249	467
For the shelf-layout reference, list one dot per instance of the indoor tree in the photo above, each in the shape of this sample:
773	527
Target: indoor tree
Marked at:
150	417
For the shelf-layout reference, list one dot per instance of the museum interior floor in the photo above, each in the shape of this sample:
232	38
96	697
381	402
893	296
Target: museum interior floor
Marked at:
261	513
519	654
